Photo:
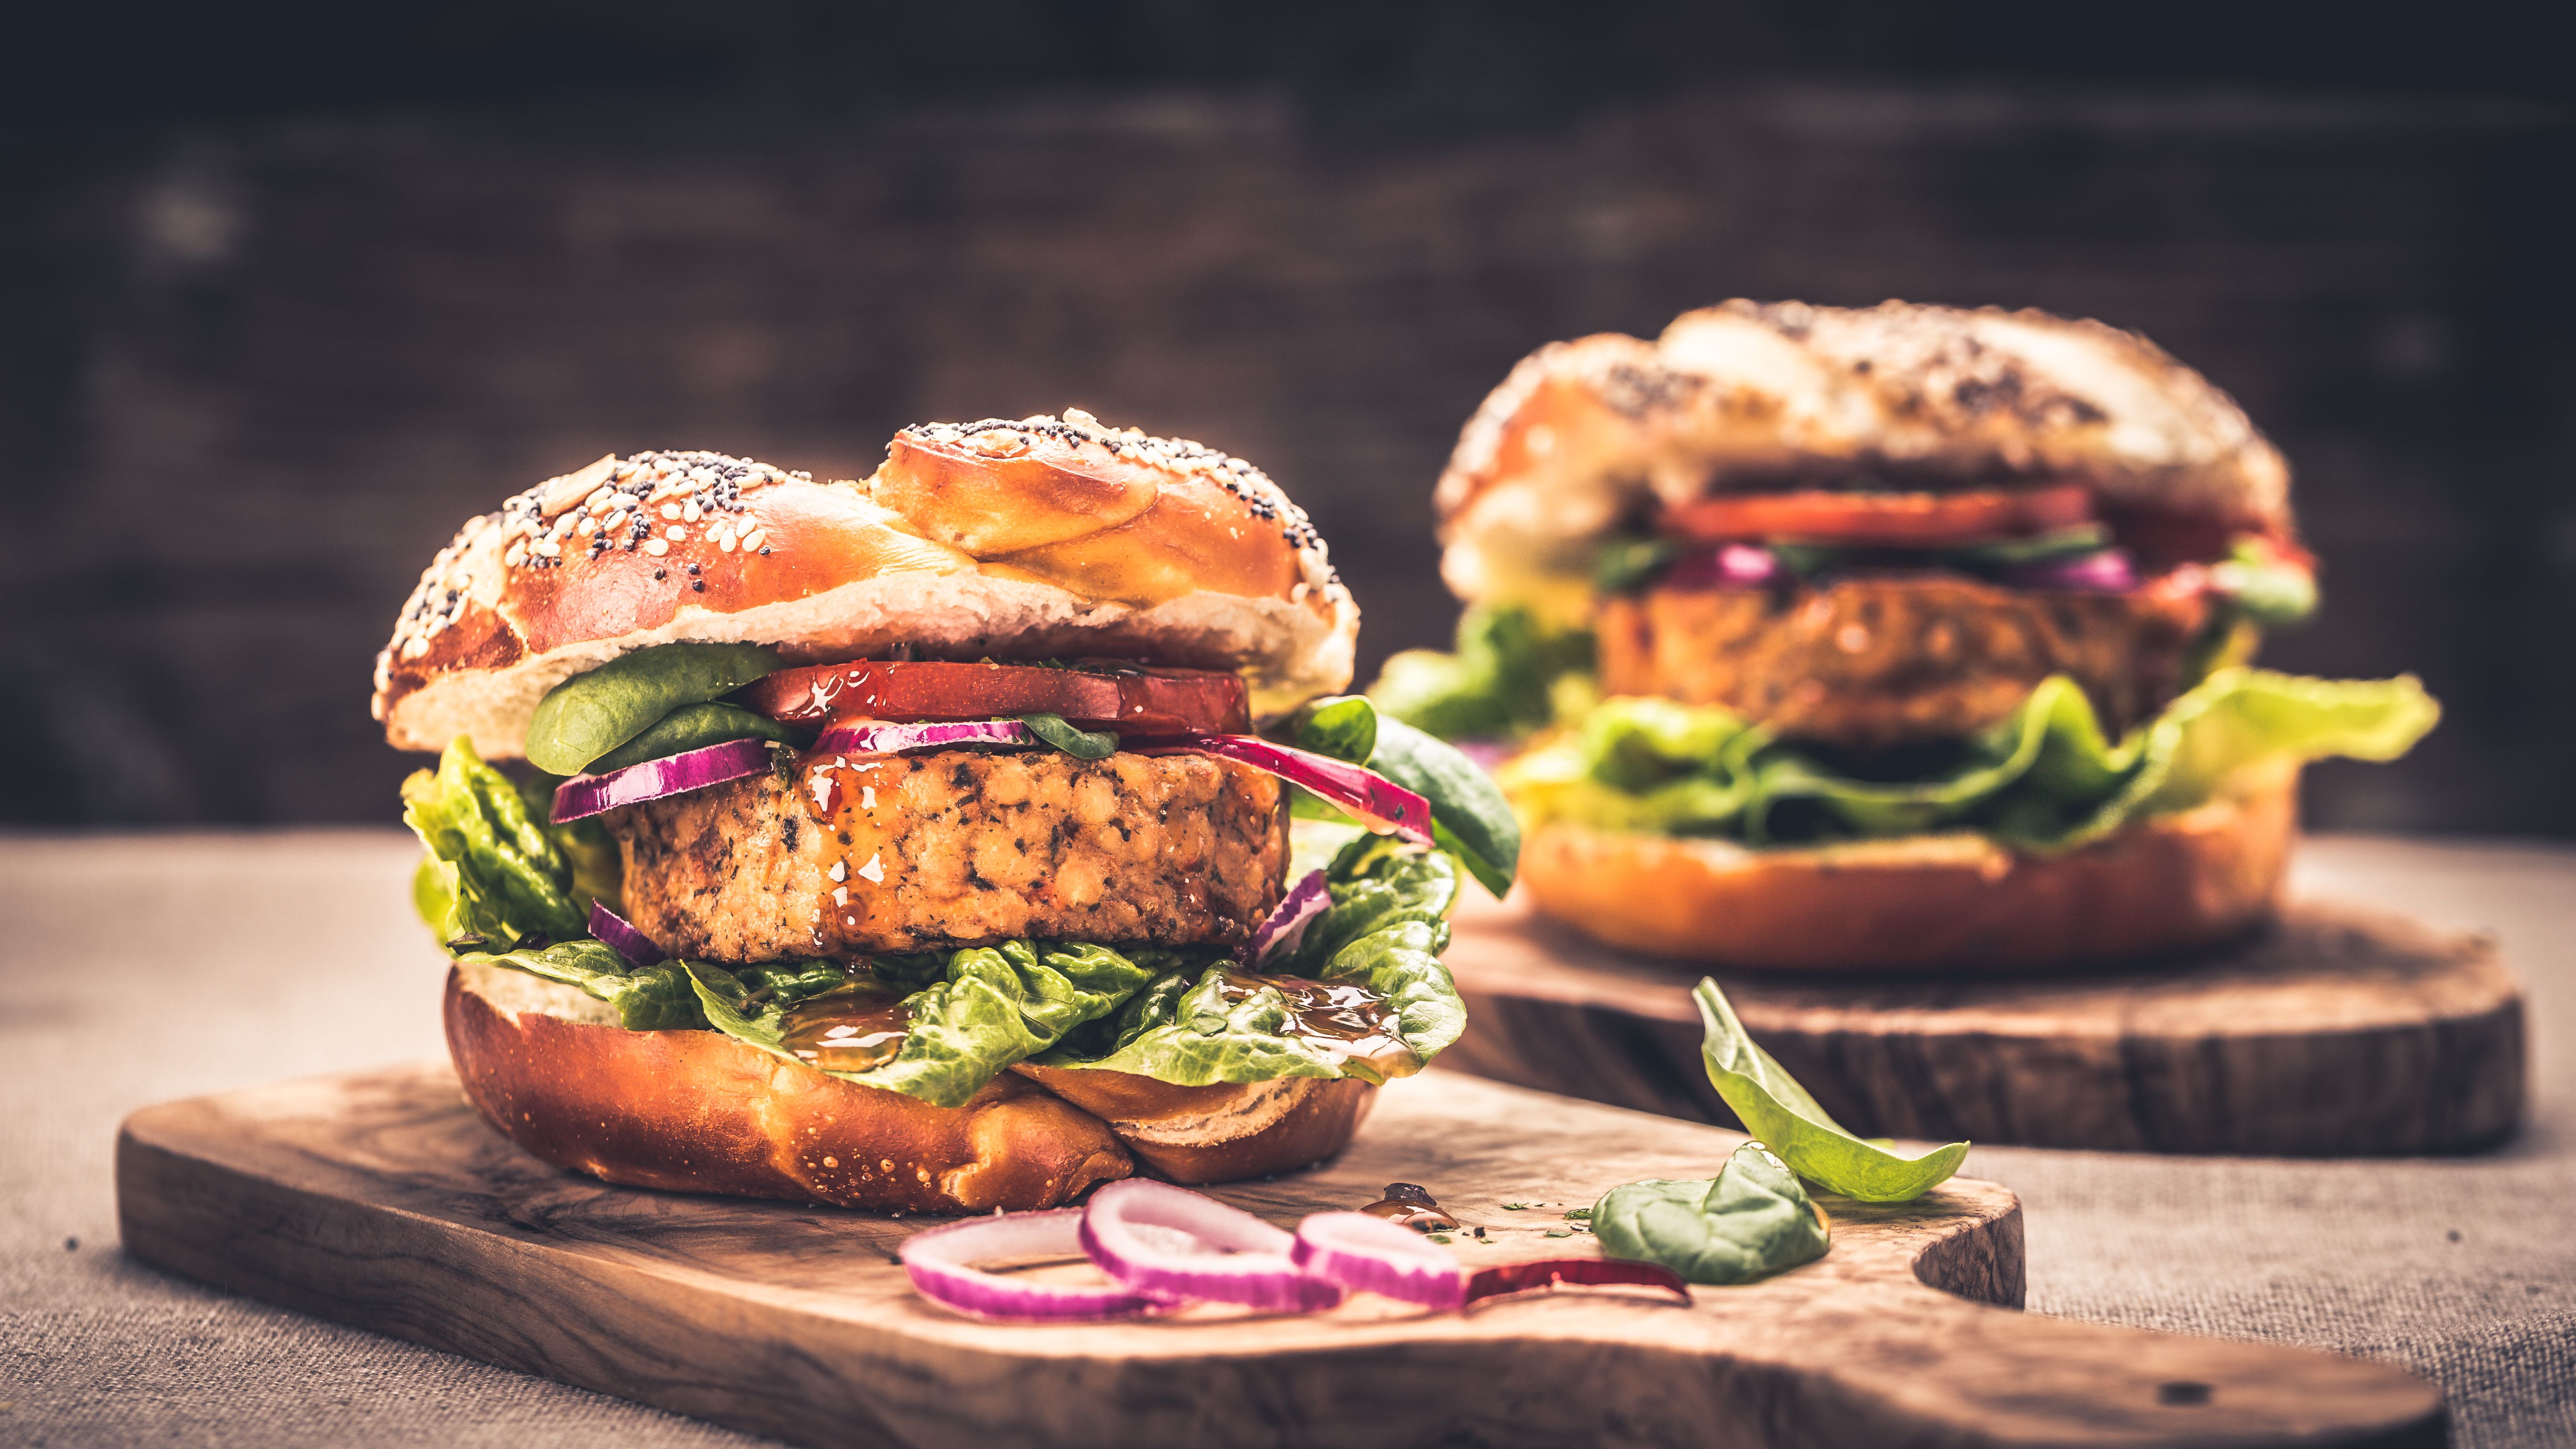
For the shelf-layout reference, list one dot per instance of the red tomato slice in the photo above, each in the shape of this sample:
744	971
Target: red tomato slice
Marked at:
1901	520
1147	702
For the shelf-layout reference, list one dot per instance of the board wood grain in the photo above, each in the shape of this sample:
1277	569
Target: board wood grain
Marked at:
380	1199
2335	1031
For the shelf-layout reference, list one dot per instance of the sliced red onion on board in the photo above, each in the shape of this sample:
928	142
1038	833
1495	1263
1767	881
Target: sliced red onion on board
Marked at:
1368	797
1168	1242
587	795
618	934
941	1264
1285	926
2107	571
1506	1278
874	738
1372	1255
1732	566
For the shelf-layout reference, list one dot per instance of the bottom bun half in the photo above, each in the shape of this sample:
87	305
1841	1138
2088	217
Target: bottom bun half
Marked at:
697	1111
1926	903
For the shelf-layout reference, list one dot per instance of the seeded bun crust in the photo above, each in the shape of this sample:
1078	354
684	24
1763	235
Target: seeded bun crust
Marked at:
1583	435
1038	538
1941	903
697	1111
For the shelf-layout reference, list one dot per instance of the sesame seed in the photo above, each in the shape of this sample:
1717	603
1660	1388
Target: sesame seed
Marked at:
657	548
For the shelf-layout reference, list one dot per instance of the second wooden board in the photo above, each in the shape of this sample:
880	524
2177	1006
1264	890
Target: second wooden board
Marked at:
2335	1032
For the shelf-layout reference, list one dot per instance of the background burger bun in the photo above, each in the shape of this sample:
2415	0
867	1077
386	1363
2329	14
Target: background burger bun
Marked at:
1582	435
1037	538
697	1111
1936	903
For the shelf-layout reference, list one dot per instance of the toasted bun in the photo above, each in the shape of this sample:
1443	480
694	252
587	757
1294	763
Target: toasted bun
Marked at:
697	1111
1583	433
1024	539
1924	903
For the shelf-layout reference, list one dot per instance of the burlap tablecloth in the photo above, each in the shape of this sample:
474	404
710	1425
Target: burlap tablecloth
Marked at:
135	969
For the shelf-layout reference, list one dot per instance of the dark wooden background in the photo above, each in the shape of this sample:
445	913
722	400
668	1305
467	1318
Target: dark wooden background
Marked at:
284	298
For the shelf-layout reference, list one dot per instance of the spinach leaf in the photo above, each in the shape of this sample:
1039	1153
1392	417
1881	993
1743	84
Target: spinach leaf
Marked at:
993	1006
1080	743
1499	684
1748	1222
1470	818
1775	1109
494	874
694	727
647	998
591	714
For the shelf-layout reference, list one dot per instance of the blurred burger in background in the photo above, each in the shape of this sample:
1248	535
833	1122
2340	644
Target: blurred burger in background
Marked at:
1899	637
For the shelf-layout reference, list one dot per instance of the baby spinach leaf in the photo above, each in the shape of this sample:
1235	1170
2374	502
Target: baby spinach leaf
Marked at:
1775	1109
694	727
1469	816
591	714
1080	743
1748	1222
647	998
1342	728
495	873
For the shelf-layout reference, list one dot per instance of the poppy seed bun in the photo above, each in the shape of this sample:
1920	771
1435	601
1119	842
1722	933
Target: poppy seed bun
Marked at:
1583	435
697	1111
1937	903
1030	539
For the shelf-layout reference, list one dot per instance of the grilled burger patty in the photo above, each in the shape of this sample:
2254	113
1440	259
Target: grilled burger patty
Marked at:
953	848
1871	662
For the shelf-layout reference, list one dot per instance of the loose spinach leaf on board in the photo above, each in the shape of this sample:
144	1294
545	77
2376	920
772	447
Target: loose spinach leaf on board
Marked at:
1469	816
494	873
647	998
1082	744
1748	1222
993	1006
1776	1110
593	713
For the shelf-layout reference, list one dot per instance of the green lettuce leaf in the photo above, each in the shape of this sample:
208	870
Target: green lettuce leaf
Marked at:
1499	684
992	1007
1385	930
494	874
647	998
1750	1221
2044	779
1775	1109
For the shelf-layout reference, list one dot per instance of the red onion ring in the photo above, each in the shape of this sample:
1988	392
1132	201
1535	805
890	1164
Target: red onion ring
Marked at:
1286	924
1168	1242
583	796
1368	797
1508	1278
941	1262
876	738
2106	571
1371	1255
618	934
1730	566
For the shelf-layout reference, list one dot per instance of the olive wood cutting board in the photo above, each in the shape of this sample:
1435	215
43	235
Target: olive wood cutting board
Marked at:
380	1199
2333	1031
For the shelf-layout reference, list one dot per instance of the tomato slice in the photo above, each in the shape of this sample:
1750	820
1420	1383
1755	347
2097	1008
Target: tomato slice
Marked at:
1150	701
1899	520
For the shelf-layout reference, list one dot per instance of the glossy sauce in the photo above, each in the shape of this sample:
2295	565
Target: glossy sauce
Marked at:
1343	1019
847	1030
1408	1205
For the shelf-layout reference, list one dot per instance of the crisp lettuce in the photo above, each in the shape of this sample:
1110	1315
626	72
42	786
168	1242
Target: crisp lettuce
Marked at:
496	874
1500	684
647	998
2047	778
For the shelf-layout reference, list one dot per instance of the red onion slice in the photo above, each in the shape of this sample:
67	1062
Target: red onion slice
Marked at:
618	934
1371	1255
1731	566
1506	1278
2106	571
1286	925
587	795
941	1264
1168	1242
1370	798
877	738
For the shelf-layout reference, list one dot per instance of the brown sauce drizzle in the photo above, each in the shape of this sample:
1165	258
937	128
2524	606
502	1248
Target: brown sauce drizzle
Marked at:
848	1029
1343	1018
1409	1205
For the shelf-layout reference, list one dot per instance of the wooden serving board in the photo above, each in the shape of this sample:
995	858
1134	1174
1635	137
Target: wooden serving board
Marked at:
380	1199
2335	1031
